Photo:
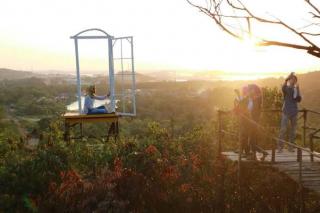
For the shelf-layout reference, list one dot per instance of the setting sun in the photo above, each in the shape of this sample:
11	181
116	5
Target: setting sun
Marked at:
163	40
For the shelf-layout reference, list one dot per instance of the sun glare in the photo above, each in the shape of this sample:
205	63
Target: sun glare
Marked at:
188	42
251	42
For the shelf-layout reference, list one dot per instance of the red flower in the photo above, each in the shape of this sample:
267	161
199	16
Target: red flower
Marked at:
117	167
151	149
185	187
52	186
171	173
196	162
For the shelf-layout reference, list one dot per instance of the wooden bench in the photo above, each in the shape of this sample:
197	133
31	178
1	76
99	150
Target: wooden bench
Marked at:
72	119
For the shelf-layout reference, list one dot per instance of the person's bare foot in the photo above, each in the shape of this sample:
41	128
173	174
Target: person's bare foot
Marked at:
264	155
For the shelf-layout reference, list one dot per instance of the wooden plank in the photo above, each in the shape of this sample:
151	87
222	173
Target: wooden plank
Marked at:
310	180
90	120
280	157
308	175
286	163
304	167
77	115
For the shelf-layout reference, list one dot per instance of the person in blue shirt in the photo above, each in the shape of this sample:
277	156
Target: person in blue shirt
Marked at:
89	102
291	95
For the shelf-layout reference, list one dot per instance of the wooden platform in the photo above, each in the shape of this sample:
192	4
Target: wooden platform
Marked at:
72	119
285	156
75	117
286	163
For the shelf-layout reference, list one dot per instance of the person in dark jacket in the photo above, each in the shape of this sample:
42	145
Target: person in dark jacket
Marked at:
291	94
254	108
241	109
248	107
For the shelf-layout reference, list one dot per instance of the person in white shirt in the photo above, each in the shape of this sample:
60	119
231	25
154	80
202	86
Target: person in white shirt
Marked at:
89	102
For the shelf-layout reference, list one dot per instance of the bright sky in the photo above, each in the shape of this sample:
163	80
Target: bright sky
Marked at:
168	35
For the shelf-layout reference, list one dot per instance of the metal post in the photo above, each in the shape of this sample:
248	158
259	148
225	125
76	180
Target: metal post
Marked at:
78	75
117	131
81	130
219	133
122	80
304	125
311	147
111	75
66	132
273	154
133	79
221	199
299	155
239	166
301	208
172	127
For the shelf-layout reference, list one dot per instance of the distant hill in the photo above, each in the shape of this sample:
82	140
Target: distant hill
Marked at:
309	81
208	75
163	75
8	74
140	77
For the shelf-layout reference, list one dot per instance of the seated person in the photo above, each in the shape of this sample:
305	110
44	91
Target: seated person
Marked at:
89	102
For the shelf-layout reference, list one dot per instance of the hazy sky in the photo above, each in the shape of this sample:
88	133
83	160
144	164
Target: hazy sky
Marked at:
168	35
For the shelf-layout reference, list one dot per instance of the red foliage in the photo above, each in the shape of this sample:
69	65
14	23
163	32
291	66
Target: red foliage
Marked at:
151	149
195	161
117	167
170	174
186	187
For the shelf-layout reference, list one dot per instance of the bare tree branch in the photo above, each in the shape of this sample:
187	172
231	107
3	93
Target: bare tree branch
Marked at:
311	34
311	50
313	6
278	22
215	18
219	12
283	44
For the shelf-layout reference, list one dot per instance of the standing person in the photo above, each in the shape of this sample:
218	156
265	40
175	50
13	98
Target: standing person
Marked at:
254	108
241	109
89	102
248	106
292	97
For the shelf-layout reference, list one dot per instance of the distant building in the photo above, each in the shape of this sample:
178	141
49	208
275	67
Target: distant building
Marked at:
62	97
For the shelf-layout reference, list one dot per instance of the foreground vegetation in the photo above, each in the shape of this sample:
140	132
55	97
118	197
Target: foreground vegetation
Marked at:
166	159
153	174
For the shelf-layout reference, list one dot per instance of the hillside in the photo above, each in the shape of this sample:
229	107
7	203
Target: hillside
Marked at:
166	153
308	81
9	74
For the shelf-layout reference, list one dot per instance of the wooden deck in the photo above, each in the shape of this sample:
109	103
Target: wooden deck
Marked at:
286	163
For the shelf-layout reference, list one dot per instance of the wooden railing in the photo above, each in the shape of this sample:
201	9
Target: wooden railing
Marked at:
313	135
265	131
